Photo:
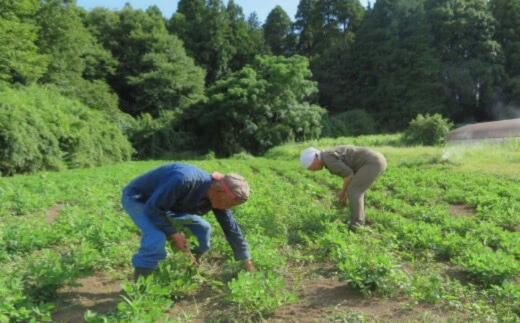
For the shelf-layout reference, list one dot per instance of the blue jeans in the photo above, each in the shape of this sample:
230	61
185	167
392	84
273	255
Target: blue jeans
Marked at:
153	240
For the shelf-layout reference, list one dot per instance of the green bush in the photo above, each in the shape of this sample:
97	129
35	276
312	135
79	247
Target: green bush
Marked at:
488	267
427	130
369	271
42	130
159	138
258	294
350	123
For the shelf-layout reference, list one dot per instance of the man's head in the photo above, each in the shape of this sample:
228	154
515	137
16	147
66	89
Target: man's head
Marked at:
227	190
310	159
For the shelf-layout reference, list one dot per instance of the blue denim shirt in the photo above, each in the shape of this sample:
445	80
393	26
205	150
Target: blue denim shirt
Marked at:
178	189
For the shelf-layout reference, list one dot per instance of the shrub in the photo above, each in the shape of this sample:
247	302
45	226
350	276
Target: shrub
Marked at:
488	267
427	130
258	294
42	130
350	123
159	138
369	271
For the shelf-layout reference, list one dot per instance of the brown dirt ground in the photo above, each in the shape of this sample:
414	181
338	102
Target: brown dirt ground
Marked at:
53	212
97	293
462	210
321	297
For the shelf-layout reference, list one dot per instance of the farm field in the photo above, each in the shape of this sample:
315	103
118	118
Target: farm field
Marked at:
442	244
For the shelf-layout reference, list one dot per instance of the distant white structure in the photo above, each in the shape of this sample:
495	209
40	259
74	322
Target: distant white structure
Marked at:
485	131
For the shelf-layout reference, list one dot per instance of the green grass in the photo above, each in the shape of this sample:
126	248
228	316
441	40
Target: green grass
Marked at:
415	250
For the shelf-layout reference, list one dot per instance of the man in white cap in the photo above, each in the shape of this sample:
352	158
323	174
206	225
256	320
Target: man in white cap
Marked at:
183	192
359	167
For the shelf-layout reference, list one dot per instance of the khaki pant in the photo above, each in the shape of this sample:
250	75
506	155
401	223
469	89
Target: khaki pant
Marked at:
360	183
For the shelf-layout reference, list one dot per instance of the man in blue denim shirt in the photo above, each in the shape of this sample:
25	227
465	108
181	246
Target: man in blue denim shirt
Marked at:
183	192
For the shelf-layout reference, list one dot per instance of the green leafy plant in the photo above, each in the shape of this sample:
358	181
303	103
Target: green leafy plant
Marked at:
370	271
145	301
488	267
427	130
258	294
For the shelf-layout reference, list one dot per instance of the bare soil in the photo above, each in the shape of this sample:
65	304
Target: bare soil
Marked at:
321	297
97	293
53	212
462	210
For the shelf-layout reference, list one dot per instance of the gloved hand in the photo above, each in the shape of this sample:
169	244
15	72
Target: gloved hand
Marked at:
179	241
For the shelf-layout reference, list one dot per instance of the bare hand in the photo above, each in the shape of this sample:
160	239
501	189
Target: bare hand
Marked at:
179	241
248	265
342	198
193	260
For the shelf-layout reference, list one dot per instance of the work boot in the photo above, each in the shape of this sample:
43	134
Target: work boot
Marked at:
142	272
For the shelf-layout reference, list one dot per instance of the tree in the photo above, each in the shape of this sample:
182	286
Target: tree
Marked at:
260	106
154	73
472	61
327	30
324	23
70	47
245	37
256	33
395	70
278	32
20	61
216	36
507	15
205	32
168	81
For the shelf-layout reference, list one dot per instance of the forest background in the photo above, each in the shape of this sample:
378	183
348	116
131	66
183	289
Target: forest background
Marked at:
82	88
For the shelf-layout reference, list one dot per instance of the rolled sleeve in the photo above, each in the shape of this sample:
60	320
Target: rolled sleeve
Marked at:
335	165
233	234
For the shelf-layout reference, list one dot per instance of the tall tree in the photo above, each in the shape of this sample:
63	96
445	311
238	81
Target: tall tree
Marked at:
256	33
215	35
244	37
278	32
327	30
323	23
472	60
204	28
507	15
154	73
20	61
395	69
70	47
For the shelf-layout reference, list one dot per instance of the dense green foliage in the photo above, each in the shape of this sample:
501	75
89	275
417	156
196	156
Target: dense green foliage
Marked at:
278	32
370	69
427	130
507	15
351	123
441	238
162	138
20	61
153	74
42	130
217	36
260	106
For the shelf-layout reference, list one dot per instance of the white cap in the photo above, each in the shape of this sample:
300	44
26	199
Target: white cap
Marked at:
308	155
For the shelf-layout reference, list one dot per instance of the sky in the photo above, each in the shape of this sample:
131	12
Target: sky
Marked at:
168	7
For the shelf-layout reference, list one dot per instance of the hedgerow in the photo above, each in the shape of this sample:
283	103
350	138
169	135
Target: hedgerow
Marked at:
42	130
